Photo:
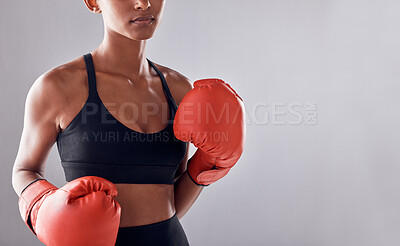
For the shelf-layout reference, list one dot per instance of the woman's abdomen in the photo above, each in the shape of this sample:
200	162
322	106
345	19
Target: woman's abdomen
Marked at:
143	204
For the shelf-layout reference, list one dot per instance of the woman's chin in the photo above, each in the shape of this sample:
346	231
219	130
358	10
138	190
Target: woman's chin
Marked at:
140	37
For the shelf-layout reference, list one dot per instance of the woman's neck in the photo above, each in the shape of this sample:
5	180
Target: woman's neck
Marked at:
120	55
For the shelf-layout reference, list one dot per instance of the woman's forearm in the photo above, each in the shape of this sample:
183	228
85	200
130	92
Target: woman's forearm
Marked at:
186	193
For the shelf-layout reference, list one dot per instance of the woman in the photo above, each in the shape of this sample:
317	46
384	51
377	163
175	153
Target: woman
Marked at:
111	113
124	78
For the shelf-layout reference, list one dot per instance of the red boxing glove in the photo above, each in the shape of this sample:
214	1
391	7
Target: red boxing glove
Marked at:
211	116
82	212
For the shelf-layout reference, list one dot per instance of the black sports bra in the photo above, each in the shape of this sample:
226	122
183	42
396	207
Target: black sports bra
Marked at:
96	144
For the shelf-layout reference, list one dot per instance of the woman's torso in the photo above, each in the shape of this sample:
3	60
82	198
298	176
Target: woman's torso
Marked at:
141	203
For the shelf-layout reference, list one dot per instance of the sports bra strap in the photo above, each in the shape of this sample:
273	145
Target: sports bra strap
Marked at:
91	74
165	86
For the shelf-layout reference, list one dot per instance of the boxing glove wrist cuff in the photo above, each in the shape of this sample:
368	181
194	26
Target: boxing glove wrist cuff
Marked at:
194	181
30	195
196	165
33	181
203	171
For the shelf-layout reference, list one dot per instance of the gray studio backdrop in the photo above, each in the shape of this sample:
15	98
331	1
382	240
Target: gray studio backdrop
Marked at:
320	81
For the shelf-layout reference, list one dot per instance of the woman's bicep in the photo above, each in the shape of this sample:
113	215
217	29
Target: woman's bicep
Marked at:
40	126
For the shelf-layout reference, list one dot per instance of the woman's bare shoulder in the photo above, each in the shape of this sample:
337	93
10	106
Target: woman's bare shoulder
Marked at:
178	84
53	90
63	79
64	74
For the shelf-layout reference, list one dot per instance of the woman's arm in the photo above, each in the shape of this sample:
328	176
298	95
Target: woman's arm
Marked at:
186	191
39	132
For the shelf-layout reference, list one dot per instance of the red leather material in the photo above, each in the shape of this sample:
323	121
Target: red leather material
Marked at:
30	196
82	212
211	116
